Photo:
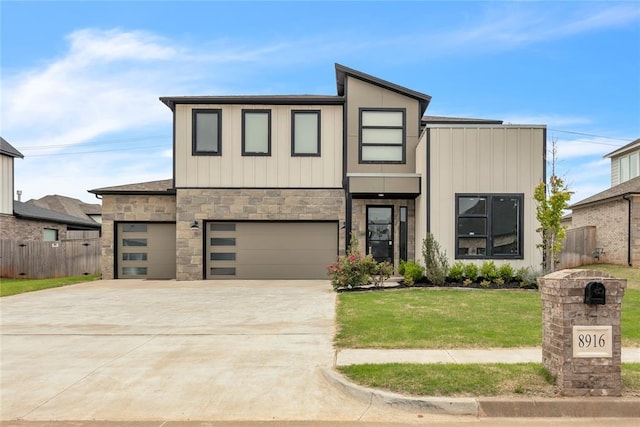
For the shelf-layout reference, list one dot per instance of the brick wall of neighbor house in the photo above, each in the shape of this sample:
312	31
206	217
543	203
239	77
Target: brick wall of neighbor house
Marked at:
611	221
359	224
246	205
12	228
635	232
137	208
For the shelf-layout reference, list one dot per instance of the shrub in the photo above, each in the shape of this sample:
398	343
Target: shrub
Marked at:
526	276
379	272
467	282
412	272
435	261
485	283
349	270
456	272
401	267
506	272
498	281
489	271
471	272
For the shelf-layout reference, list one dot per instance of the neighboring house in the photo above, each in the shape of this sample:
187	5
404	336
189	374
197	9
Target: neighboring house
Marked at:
276	186
23	221
616	215
625	163
70	206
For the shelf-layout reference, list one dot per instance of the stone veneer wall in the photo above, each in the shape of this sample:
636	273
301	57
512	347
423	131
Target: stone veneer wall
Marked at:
130	208
635	231
563	307
12	228
359	224
246	205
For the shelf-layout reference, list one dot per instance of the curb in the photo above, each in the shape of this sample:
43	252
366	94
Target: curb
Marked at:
431	405
587	407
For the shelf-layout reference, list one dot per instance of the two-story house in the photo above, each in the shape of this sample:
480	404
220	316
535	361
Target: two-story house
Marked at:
275	186
615	212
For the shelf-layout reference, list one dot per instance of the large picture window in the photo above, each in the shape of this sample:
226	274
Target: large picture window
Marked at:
629	167
489	226
382	136
256	132
207	132
305	133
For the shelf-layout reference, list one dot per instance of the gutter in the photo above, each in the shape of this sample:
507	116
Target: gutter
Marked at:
628	199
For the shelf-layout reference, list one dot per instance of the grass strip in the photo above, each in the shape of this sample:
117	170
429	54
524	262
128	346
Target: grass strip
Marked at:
470	380
18	286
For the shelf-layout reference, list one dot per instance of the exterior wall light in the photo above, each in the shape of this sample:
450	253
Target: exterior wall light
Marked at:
195	225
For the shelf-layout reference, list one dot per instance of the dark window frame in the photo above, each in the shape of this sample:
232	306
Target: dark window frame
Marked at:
318	114
194	137
245	112
391	238
488	216
362	144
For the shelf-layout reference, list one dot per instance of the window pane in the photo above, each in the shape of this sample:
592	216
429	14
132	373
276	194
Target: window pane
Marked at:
219	241
206	132
505	222
382	136
382	154
134	242
472	246
223	256
134	228
49	235
305	133
472	206
256	132
472	226
227	271
633	165
140	256
624	169
223	226
382	118
134	271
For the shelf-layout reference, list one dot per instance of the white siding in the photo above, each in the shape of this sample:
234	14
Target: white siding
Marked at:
279	170
504	159
6	185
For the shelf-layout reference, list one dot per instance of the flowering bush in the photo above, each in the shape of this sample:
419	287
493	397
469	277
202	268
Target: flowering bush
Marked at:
349	271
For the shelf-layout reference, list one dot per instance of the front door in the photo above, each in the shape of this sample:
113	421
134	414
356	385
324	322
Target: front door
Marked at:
380	233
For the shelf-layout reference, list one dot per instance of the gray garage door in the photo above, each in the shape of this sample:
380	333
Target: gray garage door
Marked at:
146	250
270	250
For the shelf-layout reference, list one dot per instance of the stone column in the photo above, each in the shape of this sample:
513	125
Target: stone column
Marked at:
581	342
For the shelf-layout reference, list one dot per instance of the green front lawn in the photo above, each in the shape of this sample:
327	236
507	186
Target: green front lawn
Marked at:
18	286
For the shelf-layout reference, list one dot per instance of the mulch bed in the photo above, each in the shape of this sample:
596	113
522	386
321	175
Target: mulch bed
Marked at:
390	285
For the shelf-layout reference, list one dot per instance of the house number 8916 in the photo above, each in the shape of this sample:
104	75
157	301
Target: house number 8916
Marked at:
591	340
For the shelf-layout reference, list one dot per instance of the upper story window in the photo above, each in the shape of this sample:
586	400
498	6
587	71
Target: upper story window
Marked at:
629	167
207	132
489	226
256	132
382	135
305	133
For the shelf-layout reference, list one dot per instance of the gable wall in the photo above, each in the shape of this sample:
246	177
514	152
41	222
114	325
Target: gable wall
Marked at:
6	185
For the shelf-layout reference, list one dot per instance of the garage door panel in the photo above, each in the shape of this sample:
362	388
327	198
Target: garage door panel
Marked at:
146	250
287	250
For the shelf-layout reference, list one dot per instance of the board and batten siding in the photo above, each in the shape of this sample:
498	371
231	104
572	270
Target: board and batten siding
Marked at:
279	170
484	160
6	181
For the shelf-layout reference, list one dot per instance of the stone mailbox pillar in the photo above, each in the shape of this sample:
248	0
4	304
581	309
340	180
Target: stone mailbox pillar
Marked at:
581	341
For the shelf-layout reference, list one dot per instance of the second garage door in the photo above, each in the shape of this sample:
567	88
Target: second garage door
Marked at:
270	250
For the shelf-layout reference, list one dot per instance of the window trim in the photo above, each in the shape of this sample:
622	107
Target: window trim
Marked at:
391	238
361	145
245	112
489	225
318	114
194	139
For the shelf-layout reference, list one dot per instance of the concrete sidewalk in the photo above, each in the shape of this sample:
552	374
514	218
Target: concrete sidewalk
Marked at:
512	355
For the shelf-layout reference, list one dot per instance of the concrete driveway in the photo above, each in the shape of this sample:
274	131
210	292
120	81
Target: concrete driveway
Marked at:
167	350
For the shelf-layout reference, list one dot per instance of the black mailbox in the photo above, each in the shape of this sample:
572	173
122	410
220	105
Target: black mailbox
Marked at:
595	293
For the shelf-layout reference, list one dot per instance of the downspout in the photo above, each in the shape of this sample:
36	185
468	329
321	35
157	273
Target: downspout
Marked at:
628	199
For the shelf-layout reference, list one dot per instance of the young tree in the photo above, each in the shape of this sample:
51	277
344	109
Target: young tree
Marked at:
552	199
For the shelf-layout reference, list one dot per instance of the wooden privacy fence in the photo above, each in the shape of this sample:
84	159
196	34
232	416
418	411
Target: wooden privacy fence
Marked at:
578	248
33	259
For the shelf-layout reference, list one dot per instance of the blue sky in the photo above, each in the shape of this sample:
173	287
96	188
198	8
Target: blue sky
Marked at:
81	80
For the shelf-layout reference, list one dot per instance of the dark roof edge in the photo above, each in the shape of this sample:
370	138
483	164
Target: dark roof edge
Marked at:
342	71
167	192
459	121
26	211
621	150
8	149
171	101
606	199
